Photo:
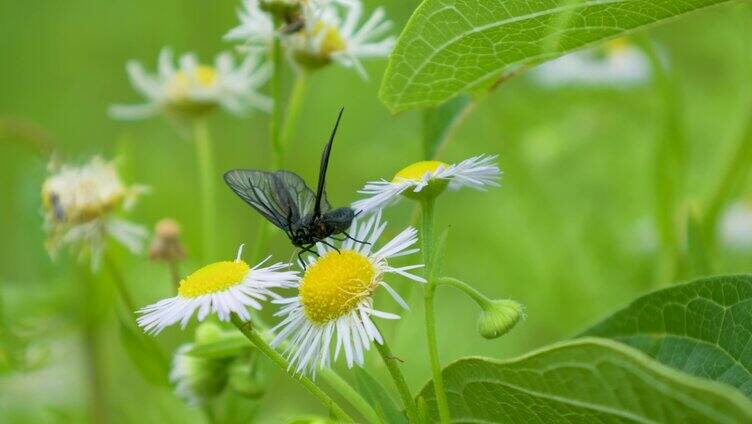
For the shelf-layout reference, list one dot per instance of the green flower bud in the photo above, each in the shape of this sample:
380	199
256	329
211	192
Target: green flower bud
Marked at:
498	317
247	377
197	379
208	332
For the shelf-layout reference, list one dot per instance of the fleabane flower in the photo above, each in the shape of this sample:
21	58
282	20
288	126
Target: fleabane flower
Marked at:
429	179
256	29
222	288
194	89
80	204
334	303
616	63
331	34
197	379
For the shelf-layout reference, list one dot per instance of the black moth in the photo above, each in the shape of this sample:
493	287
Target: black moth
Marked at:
283	198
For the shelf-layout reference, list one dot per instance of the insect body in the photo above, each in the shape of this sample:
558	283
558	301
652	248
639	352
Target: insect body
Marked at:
285	200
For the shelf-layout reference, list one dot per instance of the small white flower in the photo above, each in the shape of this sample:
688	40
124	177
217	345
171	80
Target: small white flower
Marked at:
194	89
331	33
617	63
79	203
736	225
256	29
223	288
429	178
334	304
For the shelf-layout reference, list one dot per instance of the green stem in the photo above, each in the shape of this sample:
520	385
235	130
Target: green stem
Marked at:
275	86
174	273
399	381
249	332
205	159
428	295
117	278
95	370
293	108
735	174
471	292
346	391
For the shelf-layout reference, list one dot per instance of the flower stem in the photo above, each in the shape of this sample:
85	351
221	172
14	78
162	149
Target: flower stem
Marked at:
275	86
399	381
249	332
293	107
428	295
174	273
354	398
95	373
117	277
205	159
471	292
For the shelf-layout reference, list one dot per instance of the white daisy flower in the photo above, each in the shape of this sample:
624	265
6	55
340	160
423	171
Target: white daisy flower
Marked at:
194	89
256	29
330	33
429	178
223	288
79	204
334	304
616	63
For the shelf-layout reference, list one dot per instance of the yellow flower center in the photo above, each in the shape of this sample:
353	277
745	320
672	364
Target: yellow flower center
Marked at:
417	170
332	41
181	83
213	278
617	45
334	284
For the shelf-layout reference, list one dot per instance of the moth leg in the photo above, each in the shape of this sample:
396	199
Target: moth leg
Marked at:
305	249
348	236
330	245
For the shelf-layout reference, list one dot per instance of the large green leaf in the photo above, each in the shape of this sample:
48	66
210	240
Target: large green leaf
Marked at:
585	380
703	327
454	46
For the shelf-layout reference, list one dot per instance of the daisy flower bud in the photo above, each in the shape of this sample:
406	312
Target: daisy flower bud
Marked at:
428	179
498	317
194	89
334	303
247	377
223	288
197	379
79	205
166	244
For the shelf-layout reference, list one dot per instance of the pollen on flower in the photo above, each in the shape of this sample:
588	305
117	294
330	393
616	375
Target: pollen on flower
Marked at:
332	286
332	41
203	76
213	278
417	170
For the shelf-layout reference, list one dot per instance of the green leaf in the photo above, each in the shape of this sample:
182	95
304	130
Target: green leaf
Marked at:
454	46
231	345
439	123
145	355
703	328
373	392
585	380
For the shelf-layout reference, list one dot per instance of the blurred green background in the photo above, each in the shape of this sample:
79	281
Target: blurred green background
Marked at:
565	234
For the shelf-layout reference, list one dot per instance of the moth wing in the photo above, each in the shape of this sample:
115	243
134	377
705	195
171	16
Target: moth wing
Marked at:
278	196
305	197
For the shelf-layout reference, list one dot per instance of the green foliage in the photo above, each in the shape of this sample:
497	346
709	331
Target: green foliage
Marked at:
454	46
703	328
587	380
144	354
230	346
440	122
373	392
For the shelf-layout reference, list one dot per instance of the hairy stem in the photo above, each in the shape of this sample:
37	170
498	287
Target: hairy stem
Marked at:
471	292
399	381
351	396
205	158
249	332
428	296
